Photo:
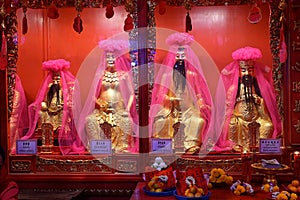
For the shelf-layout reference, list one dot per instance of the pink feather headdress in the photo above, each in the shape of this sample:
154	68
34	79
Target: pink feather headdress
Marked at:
179	39
247	53
55	65
113	46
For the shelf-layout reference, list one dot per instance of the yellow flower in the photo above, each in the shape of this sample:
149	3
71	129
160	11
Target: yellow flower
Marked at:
214	172
241	189
282	196
219	181
229	180
236	192
275	189
223	178
267	187
221	171
294	196
212	179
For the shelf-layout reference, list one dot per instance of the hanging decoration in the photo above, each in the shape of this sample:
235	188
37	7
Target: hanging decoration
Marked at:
24	21
162	7
109	11
128	26
255	14
77	24
188	20
188	23
128	23
52	11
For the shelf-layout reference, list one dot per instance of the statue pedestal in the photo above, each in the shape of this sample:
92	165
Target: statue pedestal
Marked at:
178	137
269	173
47	139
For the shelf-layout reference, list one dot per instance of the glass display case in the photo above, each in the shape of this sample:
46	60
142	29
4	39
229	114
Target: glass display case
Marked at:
43	36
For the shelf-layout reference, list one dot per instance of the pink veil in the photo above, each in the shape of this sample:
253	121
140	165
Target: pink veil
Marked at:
122	63
69	141
229	82
19	115
10	192
196	86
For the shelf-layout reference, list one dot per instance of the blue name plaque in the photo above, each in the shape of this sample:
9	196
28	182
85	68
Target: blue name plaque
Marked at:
270	146
163	146
26	147
100	146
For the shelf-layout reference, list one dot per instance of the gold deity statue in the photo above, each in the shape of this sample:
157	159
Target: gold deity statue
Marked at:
51	119
52	106
251	109
182	98
111	117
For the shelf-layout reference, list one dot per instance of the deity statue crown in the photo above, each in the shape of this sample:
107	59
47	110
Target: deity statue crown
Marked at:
116	47
246	63
56	78
179	39
180	54
247	54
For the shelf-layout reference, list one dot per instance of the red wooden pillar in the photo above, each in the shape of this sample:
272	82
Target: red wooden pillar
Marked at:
143	89
3	116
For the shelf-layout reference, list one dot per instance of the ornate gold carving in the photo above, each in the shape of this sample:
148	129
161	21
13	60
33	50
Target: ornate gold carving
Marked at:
228	165
178	137
295	4
296	86
127	165
209	2
297	126
296	45
100	165
12	56
44	193
297	106
296	67
20	166
109	190
297	25
47	138
276	13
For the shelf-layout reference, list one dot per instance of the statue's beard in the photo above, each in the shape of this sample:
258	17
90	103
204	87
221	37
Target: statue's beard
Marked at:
179	75
247	80
54	89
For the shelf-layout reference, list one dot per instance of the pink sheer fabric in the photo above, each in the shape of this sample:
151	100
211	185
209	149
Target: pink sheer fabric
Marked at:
19	115
227	91
119	48
68	139
10	192
196	83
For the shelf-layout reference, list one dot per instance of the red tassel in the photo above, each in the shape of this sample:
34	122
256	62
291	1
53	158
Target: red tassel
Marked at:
77	25
188	23
52	12
3	53
128	23
24	25
162	7
109	11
